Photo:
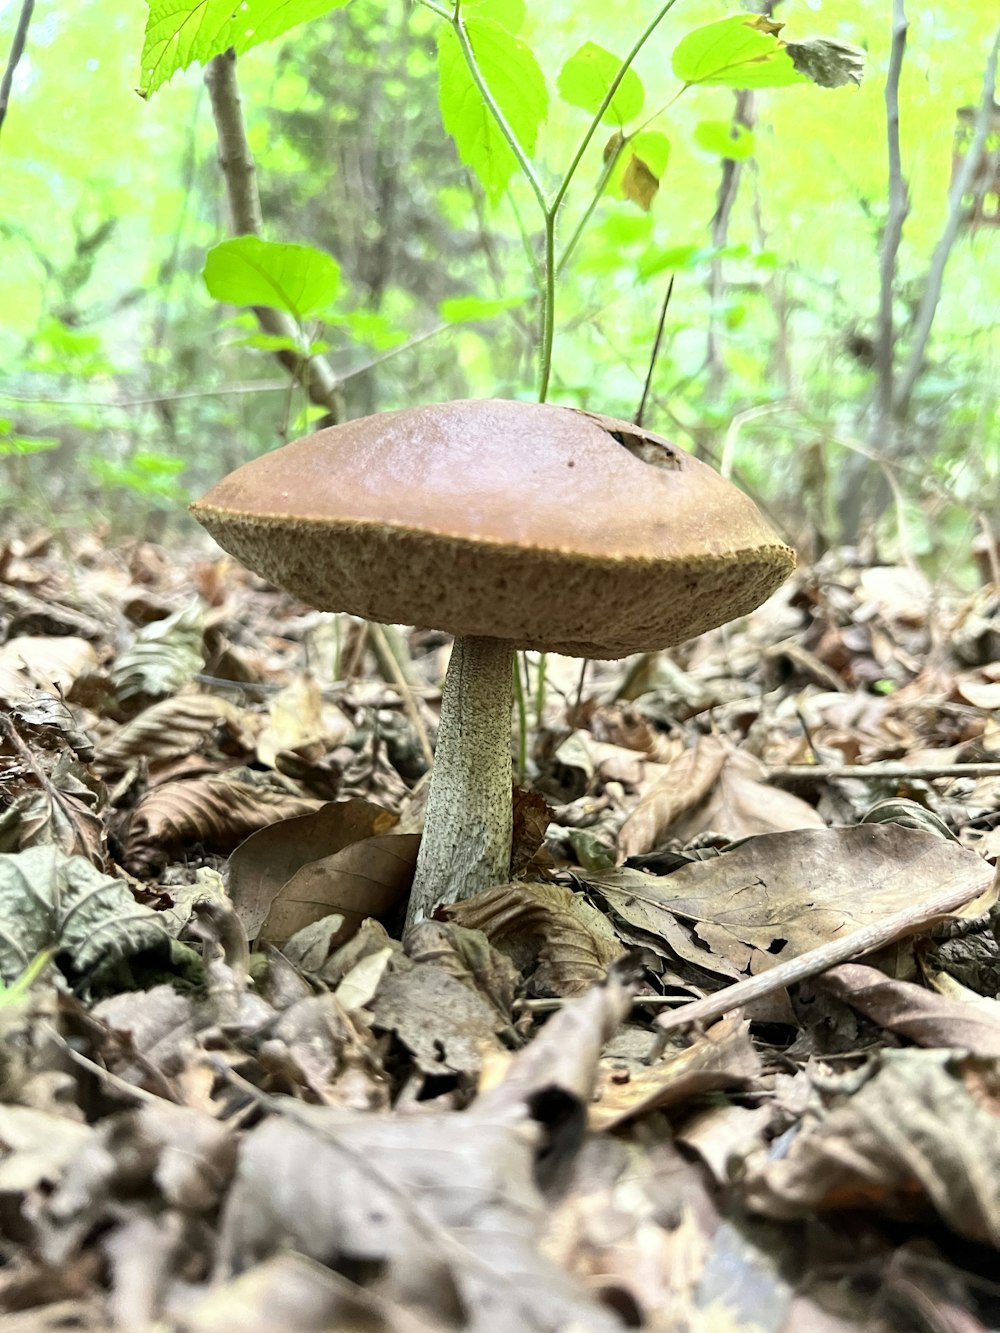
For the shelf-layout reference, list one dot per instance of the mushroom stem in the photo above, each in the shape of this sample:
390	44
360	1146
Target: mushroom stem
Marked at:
467	829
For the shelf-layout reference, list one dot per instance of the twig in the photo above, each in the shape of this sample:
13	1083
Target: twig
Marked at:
949	232
853	945
390	663
638	1001
240	176
795	772
16	52
898	209
640	411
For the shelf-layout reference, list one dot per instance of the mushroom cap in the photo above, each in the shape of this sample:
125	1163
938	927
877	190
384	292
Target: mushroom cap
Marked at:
554	528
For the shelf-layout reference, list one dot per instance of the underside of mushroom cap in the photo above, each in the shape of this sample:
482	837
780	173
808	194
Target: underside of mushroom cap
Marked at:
553	528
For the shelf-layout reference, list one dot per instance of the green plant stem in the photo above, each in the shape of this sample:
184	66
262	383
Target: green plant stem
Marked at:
540	690
503	125
581	226
522	721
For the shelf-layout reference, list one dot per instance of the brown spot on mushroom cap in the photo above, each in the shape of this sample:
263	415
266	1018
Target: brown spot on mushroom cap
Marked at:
468	517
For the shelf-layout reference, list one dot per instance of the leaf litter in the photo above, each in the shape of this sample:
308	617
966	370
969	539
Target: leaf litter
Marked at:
737	1009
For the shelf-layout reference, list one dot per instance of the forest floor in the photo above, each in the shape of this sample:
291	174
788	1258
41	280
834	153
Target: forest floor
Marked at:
724	1056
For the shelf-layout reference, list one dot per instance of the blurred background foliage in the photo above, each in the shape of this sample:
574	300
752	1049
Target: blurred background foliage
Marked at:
126	387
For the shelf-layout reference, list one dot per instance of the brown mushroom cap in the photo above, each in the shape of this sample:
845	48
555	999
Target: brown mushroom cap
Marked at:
554	528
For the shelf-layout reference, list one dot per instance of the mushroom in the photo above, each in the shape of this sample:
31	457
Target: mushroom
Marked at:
509	525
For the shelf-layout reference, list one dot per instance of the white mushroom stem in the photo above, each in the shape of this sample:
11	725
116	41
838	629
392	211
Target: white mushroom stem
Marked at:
467	829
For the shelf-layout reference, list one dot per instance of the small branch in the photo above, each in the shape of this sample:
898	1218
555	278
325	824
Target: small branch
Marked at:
240	176
898	209
949	233
16	52
856	944
640	411
871	772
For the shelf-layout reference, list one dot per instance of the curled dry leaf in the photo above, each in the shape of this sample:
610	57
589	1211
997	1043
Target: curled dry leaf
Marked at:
921	1135
712	788
916	1013
565	1053
777	896
213	813
572	943
261	867
179	726
723	1057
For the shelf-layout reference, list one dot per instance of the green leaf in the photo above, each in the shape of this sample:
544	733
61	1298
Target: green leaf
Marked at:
510	14
248	271
724	138
178	35
23	445
52	901
468	309
586	77
742	51
515	80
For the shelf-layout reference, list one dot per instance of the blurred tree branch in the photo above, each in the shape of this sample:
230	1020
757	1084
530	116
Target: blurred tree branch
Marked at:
240	175
961	186
899	207
16	52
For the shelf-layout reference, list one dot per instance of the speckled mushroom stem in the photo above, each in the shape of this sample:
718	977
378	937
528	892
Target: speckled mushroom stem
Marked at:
467	830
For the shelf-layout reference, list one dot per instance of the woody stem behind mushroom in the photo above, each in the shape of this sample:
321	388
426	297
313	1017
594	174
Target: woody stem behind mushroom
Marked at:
467	830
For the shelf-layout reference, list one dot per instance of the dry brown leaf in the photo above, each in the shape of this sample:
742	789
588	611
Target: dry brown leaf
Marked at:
469	957
365	879
294	719
572	944
916	1013
639	183
922	1134
712	788
213	813
289	1291
686	782
182	725
565	1053
723	1057
262	865
51	664
447	1026
774	897
444	1208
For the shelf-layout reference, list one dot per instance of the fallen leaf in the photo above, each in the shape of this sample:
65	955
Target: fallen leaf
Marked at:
213	813
712	788
445	1025
49	663
51	901
774	897
368	878
916	1013
264	863
182	725
572	944
920	1135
